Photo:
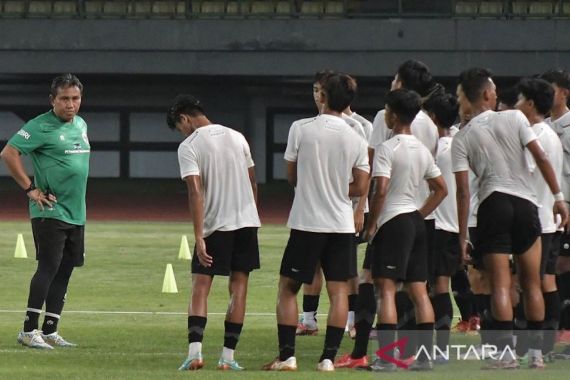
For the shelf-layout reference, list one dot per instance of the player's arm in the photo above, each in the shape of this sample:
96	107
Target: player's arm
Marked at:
196	202
11	156
253	181
438	192
549	175
376	206
359	212
463	198
359	185
292	173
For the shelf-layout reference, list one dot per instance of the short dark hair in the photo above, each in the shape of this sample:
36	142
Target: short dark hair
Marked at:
473	82
416	76
64	81
340	90
321	76
508	96
539	91
404	103
559	77
445	108
183	104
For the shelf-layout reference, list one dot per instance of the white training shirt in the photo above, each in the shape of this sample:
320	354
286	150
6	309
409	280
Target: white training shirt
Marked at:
359	128
408	164
562	127
446	212
474	197
366	125
326	150
553	148
493	145
221	157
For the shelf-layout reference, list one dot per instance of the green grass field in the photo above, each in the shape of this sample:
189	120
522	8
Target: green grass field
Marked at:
127	329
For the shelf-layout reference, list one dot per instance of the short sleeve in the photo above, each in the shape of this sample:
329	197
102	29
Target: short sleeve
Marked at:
432	170
292	143
459	159
361	162
380	131
27	139
247	152
526	133
382	162
188	161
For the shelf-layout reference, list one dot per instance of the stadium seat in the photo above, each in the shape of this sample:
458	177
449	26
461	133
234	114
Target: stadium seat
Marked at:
141	8
466	8
520	8
14	9
312	8
283	9
234	7
491	8
115	9
212	7
263	7
168	8
541	9
334	8
566	9
65	8
93	8
39	8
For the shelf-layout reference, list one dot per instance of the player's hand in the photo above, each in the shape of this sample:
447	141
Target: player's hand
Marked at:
370	232
561	209
41	199
466	248
358	221
205	259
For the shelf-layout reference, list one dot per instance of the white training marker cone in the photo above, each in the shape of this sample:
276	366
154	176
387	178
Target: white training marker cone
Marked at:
169	283
184	252
20	251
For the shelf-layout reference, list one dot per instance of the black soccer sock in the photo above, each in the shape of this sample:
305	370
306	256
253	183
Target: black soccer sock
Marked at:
486	320
406	323
535	335
352	302
386	336
311	304
464	303
232	332
31	320
425	339
520	329
551	320
40	283
50	323
196	326
504	332
443	310
364	318
333	338
286	335
563	285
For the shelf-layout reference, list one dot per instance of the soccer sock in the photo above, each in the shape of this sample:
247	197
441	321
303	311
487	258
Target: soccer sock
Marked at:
535	338
364	315
286	335
31	320
486	320
504	334
406	322
551	319
464	303
50	323
386	336
520	331
333	338
425	339
443	310
563	285
196	326
232	332
352	301
310	306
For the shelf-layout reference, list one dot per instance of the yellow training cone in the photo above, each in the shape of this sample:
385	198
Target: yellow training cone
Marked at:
20	248
169	284
184	252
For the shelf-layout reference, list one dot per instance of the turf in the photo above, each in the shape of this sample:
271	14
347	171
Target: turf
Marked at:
125	265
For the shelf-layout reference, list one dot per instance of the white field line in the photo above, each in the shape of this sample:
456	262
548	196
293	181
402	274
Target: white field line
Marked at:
137	312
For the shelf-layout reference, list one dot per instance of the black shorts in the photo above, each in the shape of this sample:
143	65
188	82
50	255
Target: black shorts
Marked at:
231	251
476	257
447	257
564	245
400	249
506	224
54	238
360	238
550	251
306	249
353	269
430	236
367	264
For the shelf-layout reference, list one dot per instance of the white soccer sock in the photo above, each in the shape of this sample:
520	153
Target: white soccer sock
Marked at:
534	353
227	354
194	348
309	318
350	320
